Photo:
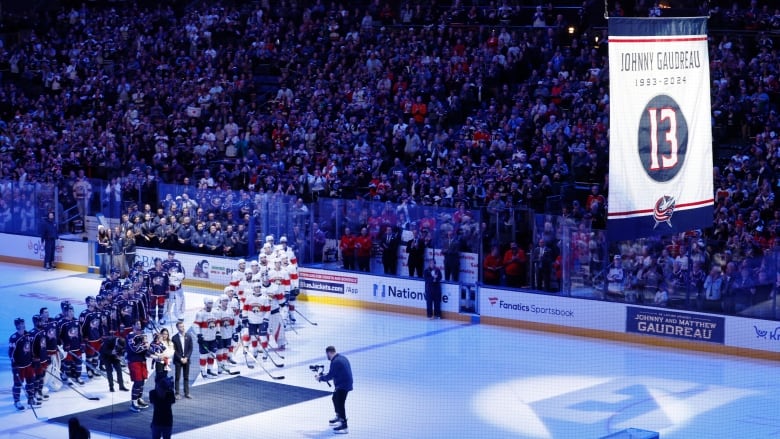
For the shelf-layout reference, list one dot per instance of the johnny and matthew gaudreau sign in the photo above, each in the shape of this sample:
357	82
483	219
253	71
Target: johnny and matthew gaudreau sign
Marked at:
673	324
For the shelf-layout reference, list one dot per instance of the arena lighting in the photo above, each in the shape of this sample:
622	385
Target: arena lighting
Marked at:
618	402
571	30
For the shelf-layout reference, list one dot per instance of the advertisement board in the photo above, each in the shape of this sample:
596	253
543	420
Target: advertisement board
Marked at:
538	308
361	287
675	324
30	248
203	268
763	335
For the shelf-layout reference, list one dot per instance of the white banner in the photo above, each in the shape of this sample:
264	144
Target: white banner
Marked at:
660	160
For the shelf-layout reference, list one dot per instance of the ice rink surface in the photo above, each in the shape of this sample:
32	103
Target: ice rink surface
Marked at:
420	378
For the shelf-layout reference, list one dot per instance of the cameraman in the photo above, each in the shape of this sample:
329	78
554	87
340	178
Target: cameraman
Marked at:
341	374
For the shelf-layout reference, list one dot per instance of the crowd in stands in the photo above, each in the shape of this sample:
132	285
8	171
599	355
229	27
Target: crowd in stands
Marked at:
487	106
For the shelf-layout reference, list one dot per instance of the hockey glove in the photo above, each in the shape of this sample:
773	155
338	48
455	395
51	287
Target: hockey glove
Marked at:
235	337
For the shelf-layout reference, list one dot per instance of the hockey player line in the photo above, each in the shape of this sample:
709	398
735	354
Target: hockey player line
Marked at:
304	318
276	377
89	397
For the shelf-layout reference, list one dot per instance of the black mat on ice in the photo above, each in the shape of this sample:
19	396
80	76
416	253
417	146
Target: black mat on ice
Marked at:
215	402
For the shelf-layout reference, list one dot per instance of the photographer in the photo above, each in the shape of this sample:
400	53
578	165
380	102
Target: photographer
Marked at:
341	374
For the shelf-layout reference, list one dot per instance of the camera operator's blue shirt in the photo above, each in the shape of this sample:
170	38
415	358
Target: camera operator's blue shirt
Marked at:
340	372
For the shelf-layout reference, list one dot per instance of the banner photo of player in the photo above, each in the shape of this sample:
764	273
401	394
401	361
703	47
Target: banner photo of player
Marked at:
660	160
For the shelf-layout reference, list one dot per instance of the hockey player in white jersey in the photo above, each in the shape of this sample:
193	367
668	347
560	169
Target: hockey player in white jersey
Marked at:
235	305
284	250
255	316
238	283
206	329
267	250
281	278
292	296
275	292
263	266
226	333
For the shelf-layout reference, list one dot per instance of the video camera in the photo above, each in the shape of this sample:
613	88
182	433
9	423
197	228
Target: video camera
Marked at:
318	370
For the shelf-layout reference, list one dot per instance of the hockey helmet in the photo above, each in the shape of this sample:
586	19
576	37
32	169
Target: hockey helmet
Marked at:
208	300
241	261
256	286
64	305
283	239
138	265
229	288
114	270
18	321
269	238
224	298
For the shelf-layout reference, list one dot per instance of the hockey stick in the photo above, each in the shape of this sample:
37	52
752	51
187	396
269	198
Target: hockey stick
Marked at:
272	358
276	377
42	419
289	325
246	359
304	318
88	365
277	354
89	397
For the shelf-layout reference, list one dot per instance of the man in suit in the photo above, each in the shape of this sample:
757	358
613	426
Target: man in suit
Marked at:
415	247
390	242
182	346
433	278
451	249
542	258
